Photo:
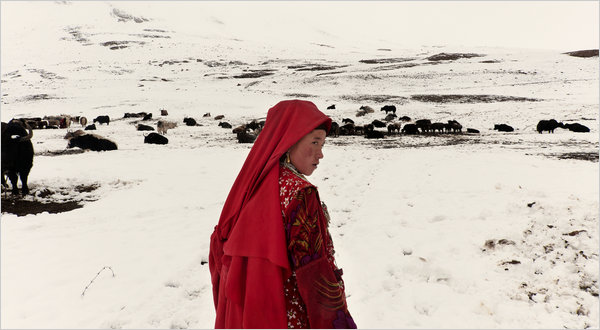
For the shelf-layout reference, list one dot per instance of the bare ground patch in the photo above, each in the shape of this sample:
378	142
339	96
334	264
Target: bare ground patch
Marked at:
49	199
465	98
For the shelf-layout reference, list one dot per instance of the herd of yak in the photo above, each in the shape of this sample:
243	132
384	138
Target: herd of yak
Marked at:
17	148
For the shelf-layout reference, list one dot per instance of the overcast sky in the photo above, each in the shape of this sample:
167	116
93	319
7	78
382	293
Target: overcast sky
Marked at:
561	25
528	24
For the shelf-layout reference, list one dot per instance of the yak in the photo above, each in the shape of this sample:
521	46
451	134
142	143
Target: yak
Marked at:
155	138
389	108
102	120
92	142
17	154
577	127
163	126
142	127
548	125
190	121
503	128
410	129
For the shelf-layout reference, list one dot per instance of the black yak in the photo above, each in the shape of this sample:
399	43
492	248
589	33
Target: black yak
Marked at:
102	120
548	125
503	128
17	154
92	142
155	138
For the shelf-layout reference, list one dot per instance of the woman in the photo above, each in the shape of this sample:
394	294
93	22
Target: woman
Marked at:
271	255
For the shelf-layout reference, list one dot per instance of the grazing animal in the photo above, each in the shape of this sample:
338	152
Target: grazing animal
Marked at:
102	120
577	127
190	121
245	137
410	129
225	124
142	127
393	128
241	128
162	126
91	127
164	112
155	138
437	127
92	142
503	128
367	109
219	117
17	154
254	125
371	133
347	129
82	121
147	117
331	107
548	125
455	126
378	123
206	114
472	130
71	134
388	108
423	124
335	130
405	118
390	117
347	121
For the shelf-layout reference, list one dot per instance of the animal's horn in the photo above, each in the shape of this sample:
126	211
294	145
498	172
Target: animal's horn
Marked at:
28	136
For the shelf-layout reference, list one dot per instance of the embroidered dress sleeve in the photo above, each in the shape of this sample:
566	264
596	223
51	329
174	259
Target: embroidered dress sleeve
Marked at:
319	282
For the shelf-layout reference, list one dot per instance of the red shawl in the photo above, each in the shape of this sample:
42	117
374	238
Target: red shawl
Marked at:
248	255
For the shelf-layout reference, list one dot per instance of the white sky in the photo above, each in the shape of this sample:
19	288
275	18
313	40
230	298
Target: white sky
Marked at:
564	25
560	25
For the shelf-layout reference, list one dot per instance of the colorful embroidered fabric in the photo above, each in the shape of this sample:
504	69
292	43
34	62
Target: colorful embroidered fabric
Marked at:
316	297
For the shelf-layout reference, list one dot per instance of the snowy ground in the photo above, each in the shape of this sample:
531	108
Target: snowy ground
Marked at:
490	230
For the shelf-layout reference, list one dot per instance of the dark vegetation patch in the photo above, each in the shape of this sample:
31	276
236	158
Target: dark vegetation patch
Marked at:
46	74
399	66
490	61
38	97
155	78
51	200
75	33
584	53
53	153
384	49
120	44
300	95
387	60
315	67
463	98
375	98
589	156
329	73
151	36
123	16
255	74
452	56
155	30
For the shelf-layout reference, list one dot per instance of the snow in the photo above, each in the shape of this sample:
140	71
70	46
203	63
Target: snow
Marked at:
411	215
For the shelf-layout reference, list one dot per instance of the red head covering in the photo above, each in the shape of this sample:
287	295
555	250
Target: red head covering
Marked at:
248	253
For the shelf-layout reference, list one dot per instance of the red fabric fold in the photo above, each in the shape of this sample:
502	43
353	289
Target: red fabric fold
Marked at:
248	256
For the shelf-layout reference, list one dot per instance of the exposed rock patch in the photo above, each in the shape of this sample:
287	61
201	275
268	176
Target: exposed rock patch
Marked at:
463	98
583	53
452	56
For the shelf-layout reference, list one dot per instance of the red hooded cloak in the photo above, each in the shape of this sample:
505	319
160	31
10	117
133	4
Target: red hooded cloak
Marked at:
248	255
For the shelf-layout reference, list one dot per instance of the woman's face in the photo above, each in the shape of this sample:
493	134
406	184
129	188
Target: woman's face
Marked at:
305	154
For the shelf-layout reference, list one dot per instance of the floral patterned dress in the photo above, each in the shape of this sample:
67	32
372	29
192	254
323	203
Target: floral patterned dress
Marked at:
314	291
